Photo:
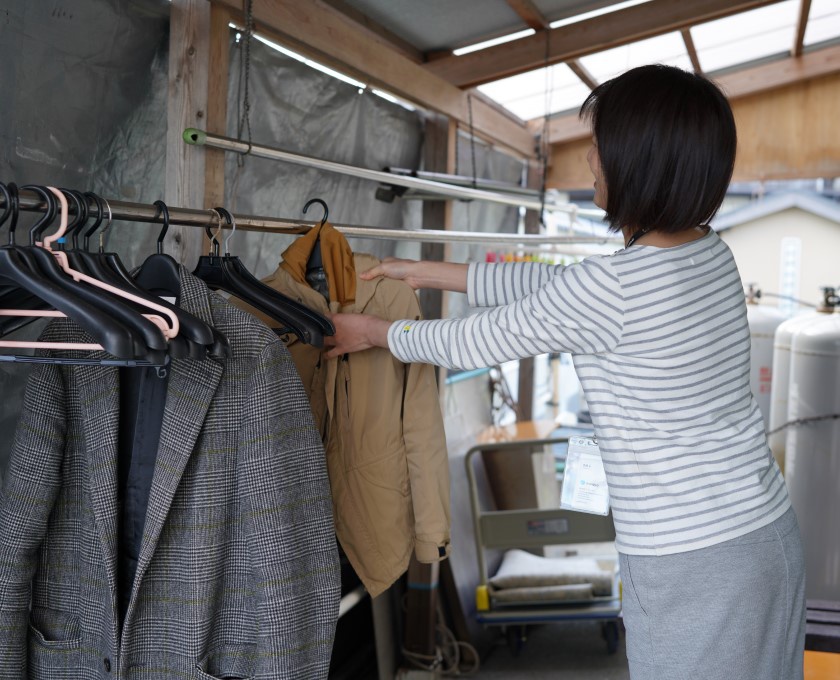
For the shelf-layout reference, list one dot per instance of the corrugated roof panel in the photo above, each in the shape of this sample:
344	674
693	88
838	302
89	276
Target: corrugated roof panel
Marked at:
531	95
442	24
823	21
747	36
663	49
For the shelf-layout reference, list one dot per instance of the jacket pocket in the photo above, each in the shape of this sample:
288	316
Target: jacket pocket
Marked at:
231	662
54	645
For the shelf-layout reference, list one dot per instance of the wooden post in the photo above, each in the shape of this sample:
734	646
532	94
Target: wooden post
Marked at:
439	148
217	93
189	45
525	393
421	608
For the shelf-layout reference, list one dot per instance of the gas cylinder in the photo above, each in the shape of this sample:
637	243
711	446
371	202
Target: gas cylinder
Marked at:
812	451
781	371
763	321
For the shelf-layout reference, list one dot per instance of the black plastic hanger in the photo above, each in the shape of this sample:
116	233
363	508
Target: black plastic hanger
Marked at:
315	275
150	342
195	339
117	339
227	273
160	274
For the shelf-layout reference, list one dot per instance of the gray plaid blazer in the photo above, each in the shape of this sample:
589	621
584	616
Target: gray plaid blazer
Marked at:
238	575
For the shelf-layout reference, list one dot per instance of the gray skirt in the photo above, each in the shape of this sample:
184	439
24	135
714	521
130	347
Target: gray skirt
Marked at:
733	611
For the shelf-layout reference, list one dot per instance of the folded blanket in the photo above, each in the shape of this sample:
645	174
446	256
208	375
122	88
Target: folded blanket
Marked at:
520	569
581	591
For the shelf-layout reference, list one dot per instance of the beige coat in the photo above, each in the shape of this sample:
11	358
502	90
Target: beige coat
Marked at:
382	429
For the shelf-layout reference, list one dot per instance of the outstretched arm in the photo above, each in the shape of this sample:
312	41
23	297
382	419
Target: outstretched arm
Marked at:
422	274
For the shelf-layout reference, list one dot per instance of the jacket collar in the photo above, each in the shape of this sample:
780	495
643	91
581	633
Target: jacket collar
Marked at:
192	386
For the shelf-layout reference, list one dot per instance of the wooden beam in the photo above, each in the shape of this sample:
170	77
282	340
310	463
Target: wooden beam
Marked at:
585	37
779	73
529	13
801	24
189	46
736	85
581	72
402	46
692	51
320	32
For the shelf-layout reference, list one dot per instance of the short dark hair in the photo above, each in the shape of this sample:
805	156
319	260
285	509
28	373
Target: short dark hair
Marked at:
667	140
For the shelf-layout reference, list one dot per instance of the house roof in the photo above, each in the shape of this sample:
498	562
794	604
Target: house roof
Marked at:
774	203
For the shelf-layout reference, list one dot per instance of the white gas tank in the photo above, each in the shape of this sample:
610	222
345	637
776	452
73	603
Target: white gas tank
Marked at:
813	451
763	321
781	380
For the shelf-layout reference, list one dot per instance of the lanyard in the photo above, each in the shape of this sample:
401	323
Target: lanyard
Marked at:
635	237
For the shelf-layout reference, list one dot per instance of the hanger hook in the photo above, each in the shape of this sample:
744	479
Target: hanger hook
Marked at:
214	238
103	234
15	206
100	215
79	218
62	224
231	223
322	204
161	208
49	212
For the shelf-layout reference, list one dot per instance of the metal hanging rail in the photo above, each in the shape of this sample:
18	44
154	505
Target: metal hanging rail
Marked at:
141	212
202	138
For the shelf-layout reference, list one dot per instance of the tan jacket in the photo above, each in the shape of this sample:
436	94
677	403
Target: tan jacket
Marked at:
382	429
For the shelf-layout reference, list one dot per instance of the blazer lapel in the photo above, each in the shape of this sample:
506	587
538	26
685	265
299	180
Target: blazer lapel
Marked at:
98	394
192	386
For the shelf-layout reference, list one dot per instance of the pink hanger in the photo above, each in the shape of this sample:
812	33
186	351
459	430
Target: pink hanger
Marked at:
169	331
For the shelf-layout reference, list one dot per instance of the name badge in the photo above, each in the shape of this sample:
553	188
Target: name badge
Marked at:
584	481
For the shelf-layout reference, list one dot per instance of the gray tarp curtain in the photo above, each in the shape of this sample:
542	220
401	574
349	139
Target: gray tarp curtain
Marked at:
83	105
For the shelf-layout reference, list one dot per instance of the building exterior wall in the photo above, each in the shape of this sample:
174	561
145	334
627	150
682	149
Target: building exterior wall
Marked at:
757	247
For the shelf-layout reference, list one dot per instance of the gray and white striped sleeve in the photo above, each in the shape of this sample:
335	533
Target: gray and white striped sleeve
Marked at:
579	310
491	285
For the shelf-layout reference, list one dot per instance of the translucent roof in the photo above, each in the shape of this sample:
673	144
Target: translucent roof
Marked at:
721	44
823	21
746	36
533	94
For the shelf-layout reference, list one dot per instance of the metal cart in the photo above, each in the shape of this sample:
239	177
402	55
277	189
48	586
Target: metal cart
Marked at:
536	528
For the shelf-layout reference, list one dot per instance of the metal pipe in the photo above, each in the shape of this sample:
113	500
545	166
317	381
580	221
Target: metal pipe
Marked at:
201	138
140	212
464	181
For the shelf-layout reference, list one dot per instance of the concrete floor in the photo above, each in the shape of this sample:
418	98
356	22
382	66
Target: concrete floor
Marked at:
563	651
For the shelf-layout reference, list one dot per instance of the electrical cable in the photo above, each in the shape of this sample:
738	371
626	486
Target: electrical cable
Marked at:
803	421
448	655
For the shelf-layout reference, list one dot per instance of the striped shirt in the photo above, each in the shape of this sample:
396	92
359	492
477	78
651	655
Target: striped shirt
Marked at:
661	345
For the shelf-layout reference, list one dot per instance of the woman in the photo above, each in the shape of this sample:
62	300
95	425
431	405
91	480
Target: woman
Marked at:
709	548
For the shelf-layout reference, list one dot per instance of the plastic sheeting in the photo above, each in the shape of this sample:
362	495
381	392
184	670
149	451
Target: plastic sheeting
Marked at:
72	74
302	110
86	108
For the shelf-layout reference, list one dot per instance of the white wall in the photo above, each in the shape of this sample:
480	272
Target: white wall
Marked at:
756	246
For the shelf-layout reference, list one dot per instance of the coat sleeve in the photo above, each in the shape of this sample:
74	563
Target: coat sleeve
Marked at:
426	453
32	483
291	538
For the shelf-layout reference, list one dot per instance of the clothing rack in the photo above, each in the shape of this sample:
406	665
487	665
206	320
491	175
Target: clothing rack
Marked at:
198	137
141	212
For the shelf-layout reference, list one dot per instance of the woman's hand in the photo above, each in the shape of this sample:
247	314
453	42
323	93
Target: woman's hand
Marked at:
397	269
421	274
356	332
